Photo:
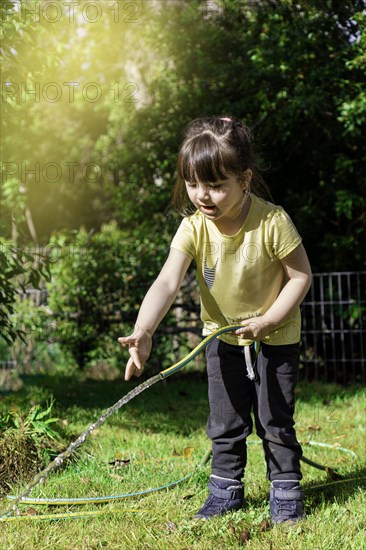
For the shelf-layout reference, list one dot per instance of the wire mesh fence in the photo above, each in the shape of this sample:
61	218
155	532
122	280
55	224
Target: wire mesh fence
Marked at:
7	365
333	342
334	327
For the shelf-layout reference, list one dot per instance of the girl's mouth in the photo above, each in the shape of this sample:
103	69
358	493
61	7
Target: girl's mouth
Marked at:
207	209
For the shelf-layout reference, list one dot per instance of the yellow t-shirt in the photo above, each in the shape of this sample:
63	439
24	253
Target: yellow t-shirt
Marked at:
240	276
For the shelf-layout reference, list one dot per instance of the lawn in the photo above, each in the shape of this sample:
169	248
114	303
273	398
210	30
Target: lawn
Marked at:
159	438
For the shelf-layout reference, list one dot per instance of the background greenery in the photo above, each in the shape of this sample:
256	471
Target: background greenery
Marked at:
94	103
88	165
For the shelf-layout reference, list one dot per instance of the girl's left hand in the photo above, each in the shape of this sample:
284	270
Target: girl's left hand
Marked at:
255	328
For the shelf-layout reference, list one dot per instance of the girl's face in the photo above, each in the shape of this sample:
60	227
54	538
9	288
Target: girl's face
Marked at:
221	200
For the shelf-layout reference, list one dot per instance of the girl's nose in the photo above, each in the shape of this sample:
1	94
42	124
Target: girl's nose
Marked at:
202	192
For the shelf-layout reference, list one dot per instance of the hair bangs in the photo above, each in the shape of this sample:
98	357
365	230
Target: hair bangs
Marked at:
215	148
201	160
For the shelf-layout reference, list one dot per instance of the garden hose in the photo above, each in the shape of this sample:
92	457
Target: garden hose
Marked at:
41	476
320	444
74	515
205	459
99	500
93	513
111	498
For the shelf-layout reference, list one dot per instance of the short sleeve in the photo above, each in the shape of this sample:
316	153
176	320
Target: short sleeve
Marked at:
283	235
183	240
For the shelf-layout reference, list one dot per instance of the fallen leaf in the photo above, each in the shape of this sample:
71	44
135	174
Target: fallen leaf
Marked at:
264	526
332	474
231	528
119	462
31	512
314	428
244	536
188	452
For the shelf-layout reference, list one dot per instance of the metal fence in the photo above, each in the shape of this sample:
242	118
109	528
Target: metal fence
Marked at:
7	365
334	328
39	296
333	343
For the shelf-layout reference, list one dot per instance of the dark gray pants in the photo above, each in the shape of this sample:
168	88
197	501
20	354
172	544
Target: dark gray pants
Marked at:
232	396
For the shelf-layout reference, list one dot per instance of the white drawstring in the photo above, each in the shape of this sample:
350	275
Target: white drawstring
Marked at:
249	364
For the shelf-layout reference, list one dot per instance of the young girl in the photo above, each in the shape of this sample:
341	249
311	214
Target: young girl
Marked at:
252	270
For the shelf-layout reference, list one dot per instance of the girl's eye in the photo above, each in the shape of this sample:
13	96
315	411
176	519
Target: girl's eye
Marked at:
193	185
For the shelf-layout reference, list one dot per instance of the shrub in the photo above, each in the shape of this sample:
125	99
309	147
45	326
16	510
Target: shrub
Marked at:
98	283
23	443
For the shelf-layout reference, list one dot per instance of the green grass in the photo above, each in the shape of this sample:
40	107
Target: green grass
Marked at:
152	432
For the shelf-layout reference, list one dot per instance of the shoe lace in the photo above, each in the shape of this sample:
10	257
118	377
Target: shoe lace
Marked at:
214	504
284	505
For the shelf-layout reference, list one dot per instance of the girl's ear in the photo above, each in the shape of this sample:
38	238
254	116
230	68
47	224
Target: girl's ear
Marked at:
246	179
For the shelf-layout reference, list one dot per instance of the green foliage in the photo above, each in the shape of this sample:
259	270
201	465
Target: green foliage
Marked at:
292	70
34	424
24	440
98	282
19	268
67	55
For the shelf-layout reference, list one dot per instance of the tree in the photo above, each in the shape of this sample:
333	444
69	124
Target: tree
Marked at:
20	264
293	71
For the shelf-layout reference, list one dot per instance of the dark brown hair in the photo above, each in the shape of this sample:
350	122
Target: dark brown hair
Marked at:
215	148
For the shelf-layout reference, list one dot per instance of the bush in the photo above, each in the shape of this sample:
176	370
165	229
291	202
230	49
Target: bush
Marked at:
98	283
19	268
24	443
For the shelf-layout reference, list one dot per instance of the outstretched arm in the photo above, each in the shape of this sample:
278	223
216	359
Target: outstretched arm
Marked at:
298	271
154	307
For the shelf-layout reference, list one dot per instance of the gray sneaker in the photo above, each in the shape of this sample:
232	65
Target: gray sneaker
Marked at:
225	495
286	501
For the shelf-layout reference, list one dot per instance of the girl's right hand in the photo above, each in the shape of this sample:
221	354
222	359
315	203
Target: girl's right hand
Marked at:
139	346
